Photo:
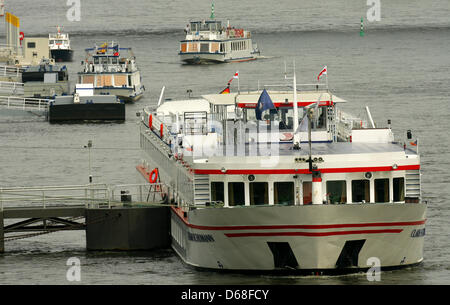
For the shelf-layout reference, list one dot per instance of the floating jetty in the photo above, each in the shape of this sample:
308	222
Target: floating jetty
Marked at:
121	217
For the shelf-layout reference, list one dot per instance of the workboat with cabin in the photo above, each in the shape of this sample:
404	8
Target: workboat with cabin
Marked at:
45	80
84	105
284	181
59	44
208	41
113	71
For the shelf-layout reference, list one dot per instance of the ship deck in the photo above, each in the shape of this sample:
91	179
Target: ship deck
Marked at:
317	149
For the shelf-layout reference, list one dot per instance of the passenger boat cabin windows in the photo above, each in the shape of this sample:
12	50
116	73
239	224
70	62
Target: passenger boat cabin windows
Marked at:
283	193
217	192
337	192
236	193
399	189
259	193
361	190
382	190
204	47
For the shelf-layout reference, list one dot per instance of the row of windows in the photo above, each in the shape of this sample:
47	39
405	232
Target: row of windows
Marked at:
284	193
238	45
106	60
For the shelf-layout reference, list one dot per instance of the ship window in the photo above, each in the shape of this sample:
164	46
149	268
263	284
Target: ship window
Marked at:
382	190
104	60
204	47
31	45
283	193
217	191
307	192
96	60
320	119
337	191
259	193
236	193
114	61
399	189
360	191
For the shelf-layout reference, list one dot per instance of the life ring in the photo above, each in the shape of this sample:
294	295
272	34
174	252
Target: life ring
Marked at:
153	176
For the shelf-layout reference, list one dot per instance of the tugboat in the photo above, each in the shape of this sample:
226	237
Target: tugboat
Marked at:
45	80
207	41
59	45
284	181
113	71
83	105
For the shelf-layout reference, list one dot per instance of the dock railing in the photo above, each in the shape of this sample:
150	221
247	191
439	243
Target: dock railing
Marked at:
11	88
24	103
90	195
10	71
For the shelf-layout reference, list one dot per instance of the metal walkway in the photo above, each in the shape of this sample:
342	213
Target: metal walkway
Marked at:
49	209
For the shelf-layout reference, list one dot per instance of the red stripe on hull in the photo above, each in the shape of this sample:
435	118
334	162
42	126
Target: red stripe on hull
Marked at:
307	227
319	234
304	171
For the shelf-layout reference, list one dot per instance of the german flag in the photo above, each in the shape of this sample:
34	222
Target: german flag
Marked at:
226	90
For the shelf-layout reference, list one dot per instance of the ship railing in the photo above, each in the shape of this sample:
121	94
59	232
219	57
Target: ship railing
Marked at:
345	123
300	87
24	103
139	194
161	121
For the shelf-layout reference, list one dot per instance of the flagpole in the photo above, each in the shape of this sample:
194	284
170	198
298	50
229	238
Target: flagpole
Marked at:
239	90
326	76
295	107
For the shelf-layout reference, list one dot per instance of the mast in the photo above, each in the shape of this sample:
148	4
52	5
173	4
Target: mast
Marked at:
296	134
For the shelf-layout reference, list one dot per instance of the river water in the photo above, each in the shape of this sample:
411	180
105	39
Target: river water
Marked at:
399	69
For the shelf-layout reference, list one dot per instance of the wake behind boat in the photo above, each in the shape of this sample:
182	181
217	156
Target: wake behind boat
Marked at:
113	71
208	41
273	180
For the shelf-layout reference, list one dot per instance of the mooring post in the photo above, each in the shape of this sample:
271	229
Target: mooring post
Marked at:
2	235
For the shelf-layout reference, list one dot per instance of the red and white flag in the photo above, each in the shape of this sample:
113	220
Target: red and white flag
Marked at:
324	71
236	75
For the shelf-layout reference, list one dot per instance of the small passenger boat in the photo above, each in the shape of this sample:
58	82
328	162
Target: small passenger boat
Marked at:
208	41
113	71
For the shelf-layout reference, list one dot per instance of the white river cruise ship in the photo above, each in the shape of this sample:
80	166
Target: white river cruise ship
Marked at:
284	181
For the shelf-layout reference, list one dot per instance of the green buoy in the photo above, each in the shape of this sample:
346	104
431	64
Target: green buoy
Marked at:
361	32
212	11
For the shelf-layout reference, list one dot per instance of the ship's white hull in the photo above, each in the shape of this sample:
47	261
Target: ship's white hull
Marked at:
308	238
204	58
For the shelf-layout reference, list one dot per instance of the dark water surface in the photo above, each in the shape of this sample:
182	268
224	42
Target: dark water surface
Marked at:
399	69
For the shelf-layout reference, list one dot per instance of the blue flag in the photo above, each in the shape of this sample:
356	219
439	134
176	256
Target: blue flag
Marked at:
264	103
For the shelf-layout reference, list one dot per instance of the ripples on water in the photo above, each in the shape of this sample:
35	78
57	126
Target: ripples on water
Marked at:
398	69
